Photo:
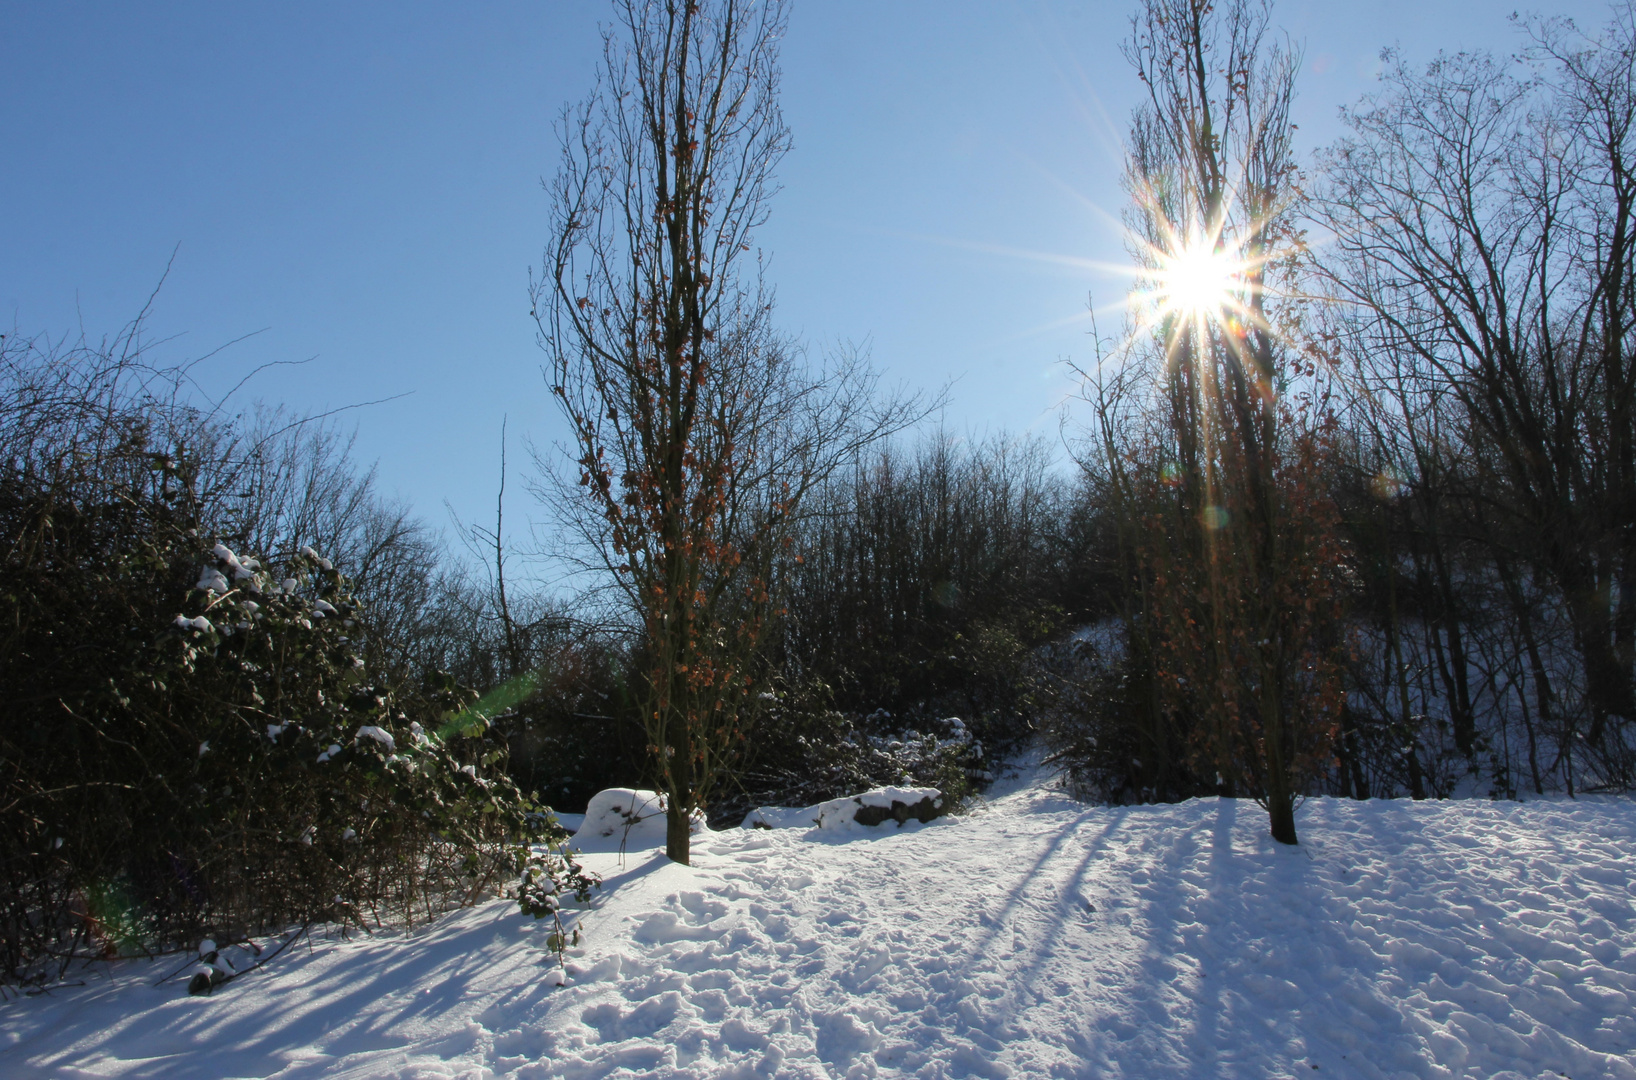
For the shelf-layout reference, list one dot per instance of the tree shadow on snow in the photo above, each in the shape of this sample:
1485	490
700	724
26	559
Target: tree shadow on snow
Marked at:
312	1008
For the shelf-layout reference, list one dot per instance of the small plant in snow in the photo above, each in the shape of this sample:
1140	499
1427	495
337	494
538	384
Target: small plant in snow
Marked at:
550	873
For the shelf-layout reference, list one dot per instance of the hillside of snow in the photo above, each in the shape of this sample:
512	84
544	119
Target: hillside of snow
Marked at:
1033	937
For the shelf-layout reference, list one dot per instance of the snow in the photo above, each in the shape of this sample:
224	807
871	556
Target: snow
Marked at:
838	814
242	568
211	580
1032	937
625	819
380	735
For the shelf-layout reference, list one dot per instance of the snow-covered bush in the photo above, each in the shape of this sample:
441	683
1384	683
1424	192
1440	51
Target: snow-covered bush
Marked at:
197	740
246	771
398	802
551	872
626	819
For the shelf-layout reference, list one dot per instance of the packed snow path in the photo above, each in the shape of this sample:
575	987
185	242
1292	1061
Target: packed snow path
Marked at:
1034	937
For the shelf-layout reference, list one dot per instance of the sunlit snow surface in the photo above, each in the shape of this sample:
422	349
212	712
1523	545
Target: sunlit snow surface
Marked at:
1034	937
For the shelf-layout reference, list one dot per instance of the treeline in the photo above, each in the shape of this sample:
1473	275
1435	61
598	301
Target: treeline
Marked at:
1484	260
927	577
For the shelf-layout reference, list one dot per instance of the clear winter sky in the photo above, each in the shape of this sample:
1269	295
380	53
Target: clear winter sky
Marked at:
363	181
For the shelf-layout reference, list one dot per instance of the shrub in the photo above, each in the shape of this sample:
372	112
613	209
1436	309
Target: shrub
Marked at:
194	745
1104	728
237	770
932	576
577	732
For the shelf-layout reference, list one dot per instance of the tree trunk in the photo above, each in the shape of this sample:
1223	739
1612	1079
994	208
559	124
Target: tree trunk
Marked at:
678	832
1277	738
1353	782
1398	675
1456	673
1281	812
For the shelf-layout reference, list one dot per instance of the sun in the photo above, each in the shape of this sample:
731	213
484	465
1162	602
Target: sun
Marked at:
1198	281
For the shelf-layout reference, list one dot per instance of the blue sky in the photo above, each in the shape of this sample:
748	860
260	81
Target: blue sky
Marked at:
362	180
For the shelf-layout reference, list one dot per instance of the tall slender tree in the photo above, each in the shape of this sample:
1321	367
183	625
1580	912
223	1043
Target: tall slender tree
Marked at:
1238	542
697	429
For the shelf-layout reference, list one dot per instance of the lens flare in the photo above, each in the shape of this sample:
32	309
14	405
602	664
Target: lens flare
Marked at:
1197	281
1197	276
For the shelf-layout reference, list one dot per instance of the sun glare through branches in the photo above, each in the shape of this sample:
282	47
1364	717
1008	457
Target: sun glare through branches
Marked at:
1196	276
1198	280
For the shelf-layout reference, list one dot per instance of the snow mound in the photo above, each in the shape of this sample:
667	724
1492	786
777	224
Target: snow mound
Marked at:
625	818
894	804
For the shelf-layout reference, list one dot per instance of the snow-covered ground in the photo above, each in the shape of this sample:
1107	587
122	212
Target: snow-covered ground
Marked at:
1035	937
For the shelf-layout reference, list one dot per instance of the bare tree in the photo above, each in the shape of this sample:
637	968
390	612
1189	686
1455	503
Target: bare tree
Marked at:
1485	232
1235	539
697	429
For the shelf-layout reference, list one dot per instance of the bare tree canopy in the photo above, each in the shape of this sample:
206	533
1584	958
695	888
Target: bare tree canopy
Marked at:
1484	221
